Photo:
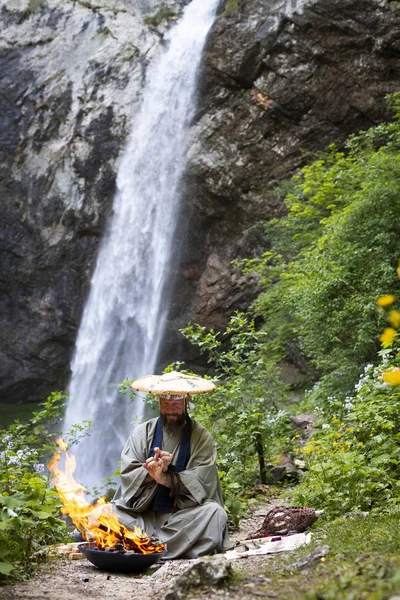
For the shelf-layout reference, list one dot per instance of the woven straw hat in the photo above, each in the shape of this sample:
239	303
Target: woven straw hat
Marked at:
173	383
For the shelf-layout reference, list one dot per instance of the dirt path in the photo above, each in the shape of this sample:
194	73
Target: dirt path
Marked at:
63	579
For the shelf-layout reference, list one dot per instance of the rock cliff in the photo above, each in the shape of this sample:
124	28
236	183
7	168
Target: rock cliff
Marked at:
281	80
278	78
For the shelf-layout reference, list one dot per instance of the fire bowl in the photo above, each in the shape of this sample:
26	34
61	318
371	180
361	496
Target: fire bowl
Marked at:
127	562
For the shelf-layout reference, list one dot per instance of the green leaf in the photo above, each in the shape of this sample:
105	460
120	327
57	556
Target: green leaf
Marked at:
6	567
41	514
13	501
7	524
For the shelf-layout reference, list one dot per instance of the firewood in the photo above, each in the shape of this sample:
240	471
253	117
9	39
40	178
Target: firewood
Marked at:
76	556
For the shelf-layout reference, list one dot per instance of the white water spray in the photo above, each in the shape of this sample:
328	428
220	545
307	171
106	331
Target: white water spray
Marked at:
125	315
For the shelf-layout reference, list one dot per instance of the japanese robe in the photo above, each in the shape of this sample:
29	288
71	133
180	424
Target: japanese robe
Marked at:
198	527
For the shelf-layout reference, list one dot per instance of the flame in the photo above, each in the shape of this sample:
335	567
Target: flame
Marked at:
96	522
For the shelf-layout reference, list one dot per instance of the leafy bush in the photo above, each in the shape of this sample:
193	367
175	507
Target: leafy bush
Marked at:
353	459
333	253
29	506
245	414
331	256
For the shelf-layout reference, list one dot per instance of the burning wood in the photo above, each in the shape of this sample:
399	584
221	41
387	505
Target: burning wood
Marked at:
96	522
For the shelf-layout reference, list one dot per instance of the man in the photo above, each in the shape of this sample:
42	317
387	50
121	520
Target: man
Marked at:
169	483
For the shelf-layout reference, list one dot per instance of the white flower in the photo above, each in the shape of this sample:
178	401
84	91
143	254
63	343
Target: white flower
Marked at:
40	468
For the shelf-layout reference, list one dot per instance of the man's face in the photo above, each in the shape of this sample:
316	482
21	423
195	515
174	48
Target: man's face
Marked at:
173	412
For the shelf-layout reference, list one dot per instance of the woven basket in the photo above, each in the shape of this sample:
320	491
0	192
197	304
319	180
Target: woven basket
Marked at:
282	520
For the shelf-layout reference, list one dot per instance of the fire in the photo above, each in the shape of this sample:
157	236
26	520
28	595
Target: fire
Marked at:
96	522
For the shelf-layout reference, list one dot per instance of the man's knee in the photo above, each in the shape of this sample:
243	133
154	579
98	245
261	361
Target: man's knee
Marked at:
217	511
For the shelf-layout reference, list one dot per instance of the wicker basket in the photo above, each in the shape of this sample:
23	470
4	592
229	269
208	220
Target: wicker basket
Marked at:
282	520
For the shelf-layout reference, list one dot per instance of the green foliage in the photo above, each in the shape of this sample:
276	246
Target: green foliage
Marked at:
29	506
151	406
336	283
231	7
331	257
364	558
10	412
245	414
164	13
353	459
333	254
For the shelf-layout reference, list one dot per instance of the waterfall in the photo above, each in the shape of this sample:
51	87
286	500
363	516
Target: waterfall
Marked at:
125	314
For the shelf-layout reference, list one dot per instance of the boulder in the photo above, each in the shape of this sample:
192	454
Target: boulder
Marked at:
202	572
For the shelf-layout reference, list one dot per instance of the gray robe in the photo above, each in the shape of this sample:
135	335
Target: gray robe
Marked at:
199	526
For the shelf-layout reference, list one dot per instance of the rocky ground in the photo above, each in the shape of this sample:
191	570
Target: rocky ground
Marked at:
355	557
71	580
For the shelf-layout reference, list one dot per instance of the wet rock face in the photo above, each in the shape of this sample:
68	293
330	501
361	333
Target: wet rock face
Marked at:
278	77
71	74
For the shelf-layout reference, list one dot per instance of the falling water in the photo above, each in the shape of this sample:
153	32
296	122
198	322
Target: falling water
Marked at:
125	315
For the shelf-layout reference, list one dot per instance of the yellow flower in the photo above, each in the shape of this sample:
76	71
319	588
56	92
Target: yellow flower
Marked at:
388	336
360	424
361	444
392	376
394	318
398	268
371	435
341	424
342	451
386	300
334	444
351	429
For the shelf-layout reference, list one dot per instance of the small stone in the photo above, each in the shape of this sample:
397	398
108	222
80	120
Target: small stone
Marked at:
316	555
207	571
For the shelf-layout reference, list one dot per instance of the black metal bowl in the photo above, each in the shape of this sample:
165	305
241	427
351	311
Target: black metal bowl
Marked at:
128	562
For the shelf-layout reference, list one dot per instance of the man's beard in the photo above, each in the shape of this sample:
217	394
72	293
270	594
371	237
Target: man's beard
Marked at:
175	425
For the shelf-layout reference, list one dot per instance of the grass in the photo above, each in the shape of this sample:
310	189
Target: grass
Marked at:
232	7
10	412
163	14
363	562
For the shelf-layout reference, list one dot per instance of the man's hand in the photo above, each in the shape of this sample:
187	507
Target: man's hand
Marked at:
166	457
155	468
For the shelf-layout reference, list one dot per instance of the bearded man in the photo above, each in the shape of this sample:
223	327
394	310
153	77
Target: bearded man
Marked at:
169	483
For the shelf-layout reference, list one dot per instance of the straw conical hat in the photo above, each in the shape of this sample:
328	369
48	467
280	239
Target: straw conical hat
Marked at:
173	383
